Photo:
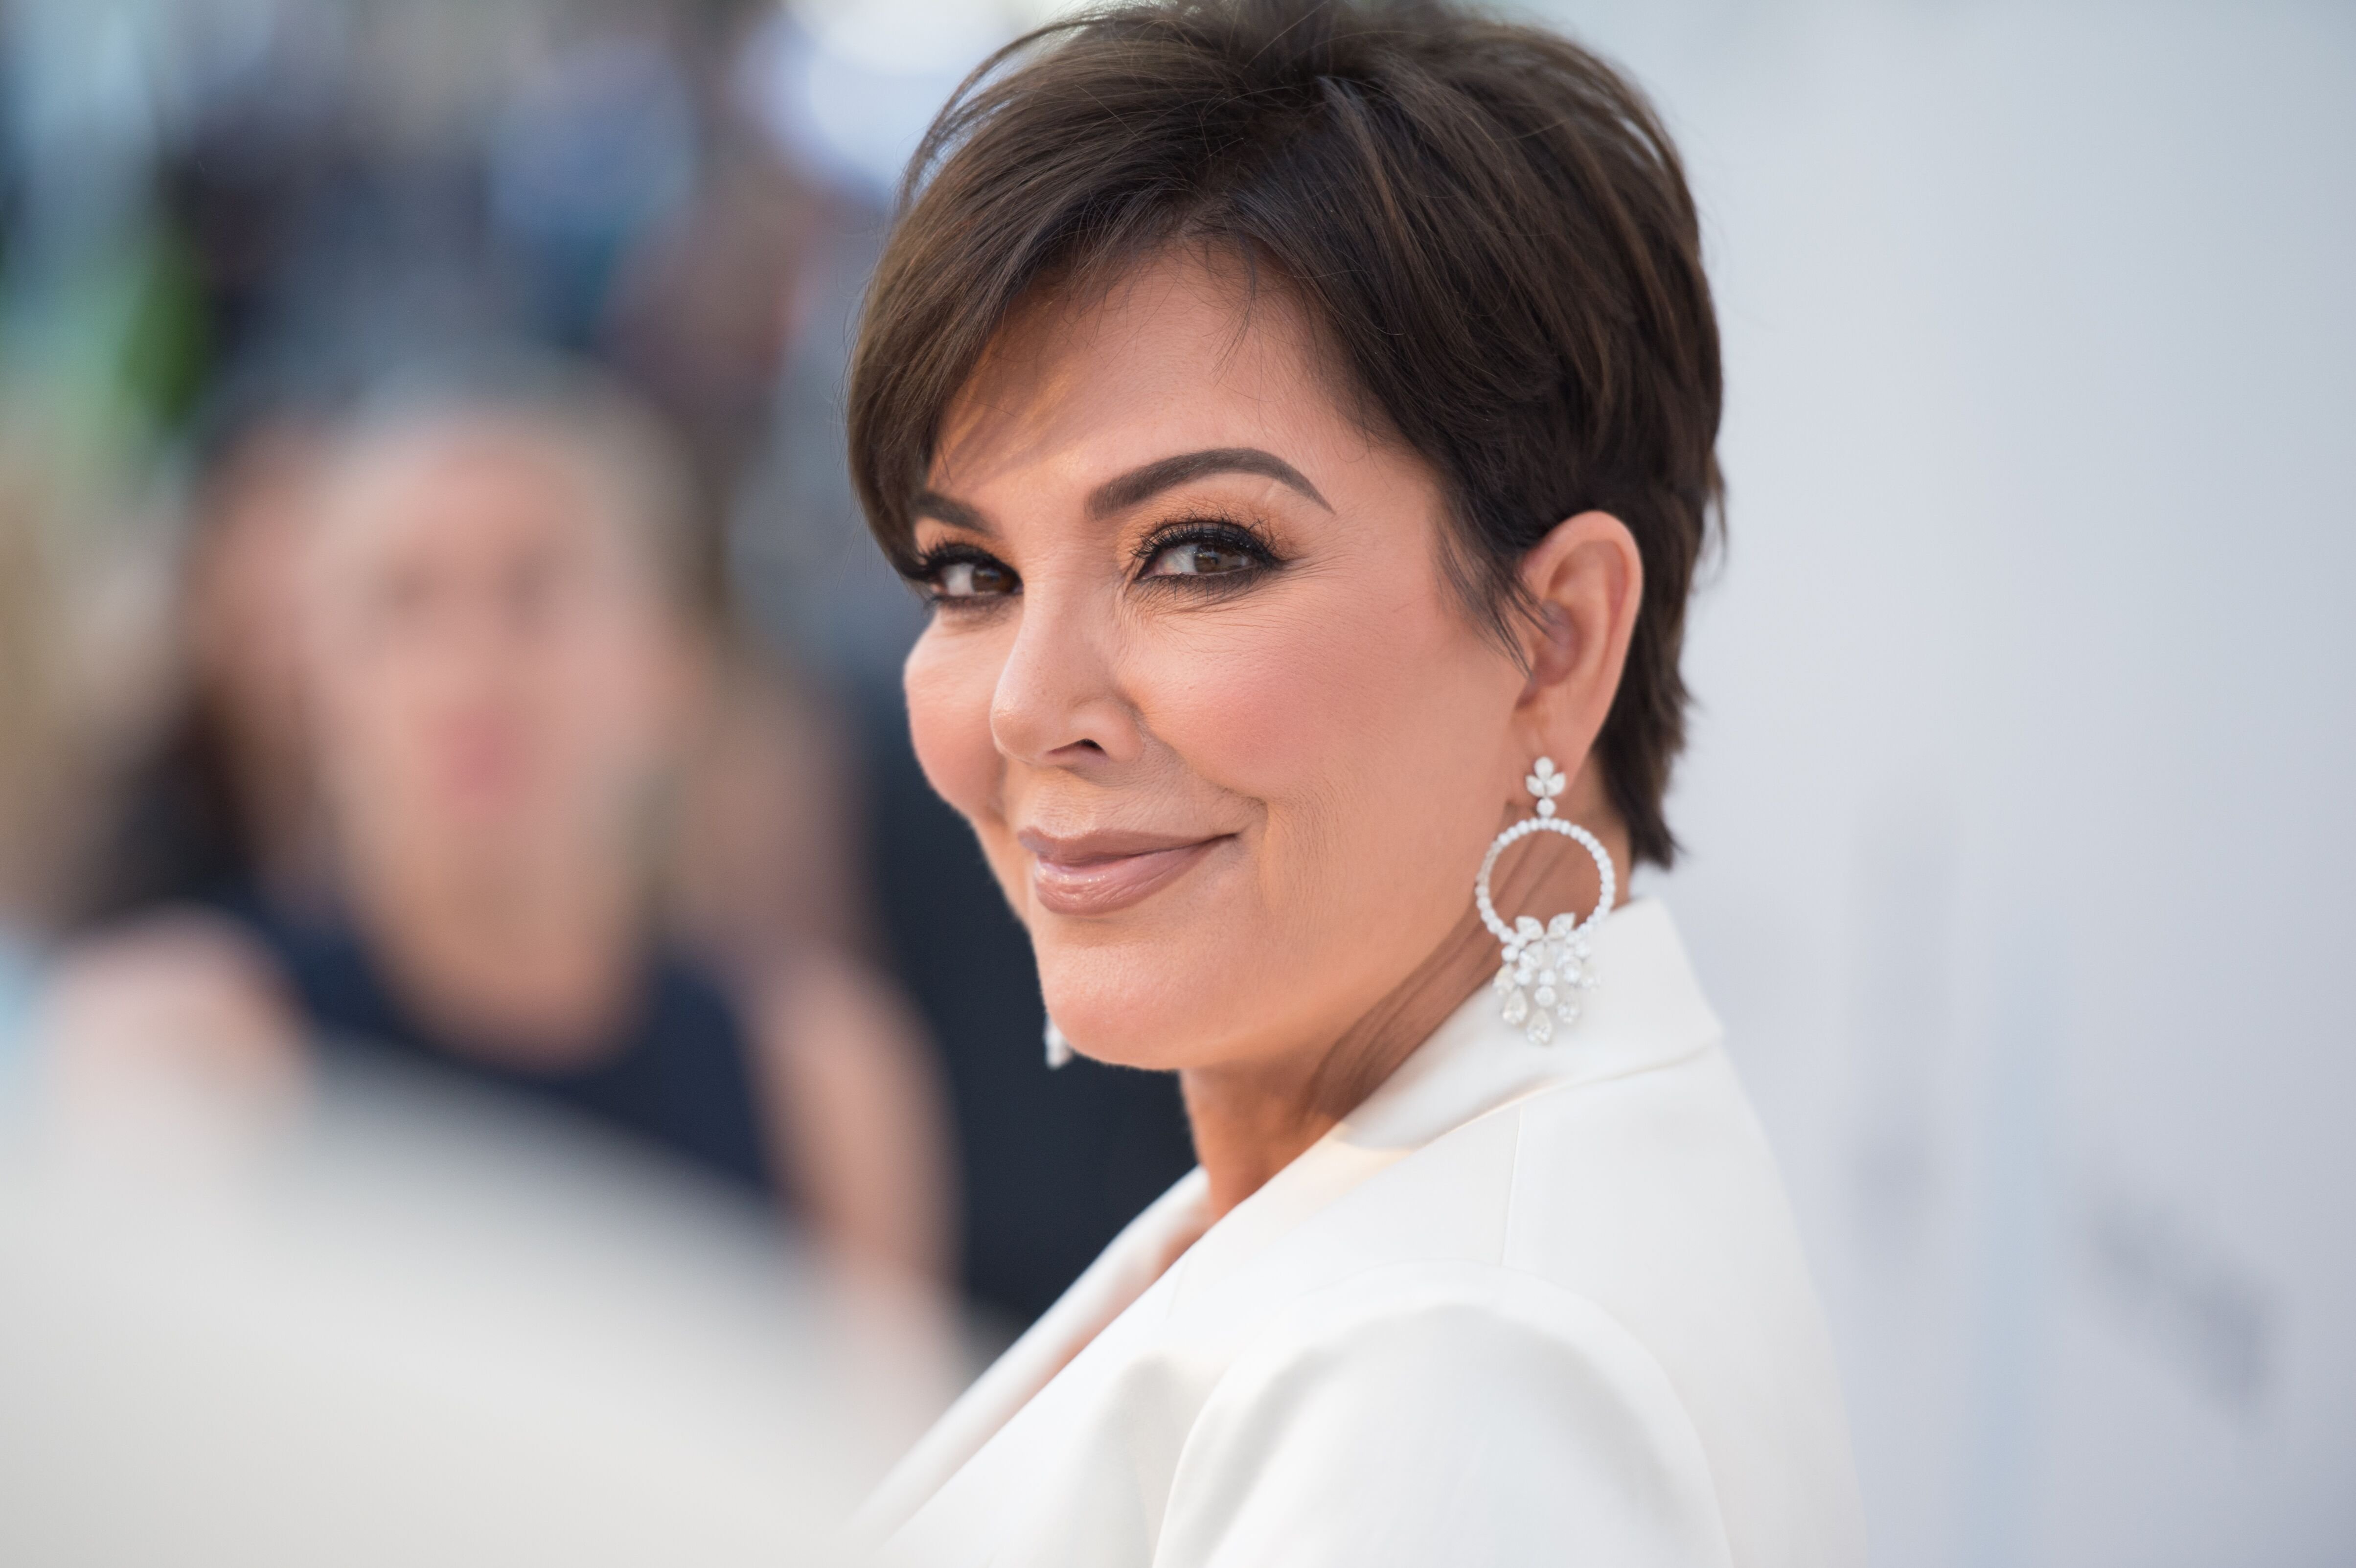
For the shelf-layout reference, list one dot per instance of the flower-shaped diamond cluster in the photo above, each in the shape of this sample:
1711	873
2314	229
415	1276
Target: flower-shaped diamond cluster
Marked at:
1545	970
1545	783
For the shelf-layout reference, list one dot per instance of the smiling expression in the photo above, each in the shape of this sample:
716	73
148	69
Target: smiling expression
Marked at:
1197	674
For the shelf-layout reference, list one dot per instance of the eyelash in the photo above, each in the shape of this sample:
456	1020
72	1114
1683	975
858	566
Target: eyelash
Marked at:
1221	533
924	574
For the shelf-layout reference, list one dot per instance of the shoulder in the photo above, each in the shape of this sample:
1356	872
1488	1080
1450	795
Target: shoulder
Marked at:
179	994
1652	1183
1430	1413
1584	1313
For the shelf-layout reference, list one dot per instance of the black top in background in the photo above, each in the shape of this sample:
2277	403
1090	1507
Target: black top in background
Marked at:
677	1075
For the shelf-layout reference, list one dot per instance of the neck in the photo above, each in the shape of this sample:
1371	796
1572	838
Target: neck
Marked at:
1251	1119
533	959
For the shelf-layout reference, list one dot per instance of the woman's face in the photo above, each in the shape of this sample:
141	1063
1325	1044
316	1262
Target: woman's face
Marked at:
494	662
1197	675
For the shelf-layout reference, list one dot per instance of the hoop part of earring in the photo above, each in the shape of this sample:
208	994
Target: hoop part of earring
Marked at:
1545	967
1059	1049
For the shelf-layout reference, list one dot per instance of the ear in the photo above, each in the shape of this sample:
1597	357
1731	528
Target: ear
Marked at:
1586	581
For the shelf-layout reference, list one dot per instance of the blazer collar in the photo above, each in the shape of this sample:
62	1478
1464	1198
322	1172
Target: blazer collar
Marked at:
1647	1010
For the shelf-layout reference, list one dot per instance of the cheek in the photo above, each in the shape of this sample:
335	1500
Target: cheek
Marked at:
951	677
370	733
367	700
615	703
1366	730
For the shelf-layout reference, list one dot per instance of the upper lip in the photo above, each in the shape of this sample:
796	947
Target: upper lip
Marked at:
1080	849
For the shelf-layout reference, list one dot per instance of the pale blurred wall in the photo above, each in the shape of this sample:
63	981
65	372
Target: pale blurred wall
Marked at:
2017	807
2020	851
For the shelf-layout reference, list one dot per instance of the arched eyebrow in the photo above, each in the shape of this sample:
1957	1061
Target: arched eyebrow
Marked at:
956	514
1139	484
1143	484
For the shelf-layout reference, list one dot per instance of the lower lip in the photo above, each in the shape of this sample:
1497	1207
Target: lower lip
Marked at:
1101	887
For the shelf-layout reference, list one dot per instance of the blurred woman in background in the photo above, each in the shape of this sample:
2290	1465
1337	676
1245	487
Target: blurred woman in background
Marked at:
498	624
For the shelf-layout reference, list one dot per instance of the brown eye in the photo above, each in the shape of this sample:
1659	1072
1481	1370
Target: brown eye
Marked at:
972	580
1199	558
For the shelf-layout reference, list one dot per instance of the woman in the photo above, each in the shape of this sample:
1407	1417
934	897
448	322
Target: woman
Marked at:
1301	418
494	613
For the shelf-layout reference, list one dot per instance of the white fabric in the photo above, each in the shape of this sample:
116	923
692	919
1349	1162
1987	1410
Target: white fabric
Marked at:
1527	1304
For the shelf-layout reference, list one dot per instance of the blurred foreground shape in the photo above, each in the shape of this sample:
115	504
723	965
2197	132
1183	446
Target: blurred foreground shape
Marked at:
401	1326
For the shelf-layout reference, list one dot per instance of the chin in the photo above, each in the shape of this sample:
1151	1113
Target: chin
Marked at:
1137	999
1095	992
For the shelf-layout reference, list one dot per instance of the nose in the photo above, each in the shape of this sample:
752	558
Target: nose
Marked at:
1058	703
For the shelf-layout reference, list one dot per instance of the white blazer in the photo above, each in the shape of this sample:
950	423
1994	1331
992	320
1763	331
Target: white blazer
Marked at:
1527	1305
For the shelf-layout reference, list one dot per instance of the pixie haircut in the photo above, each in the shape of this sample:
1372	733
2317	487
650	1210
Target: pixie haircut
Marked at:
1487	224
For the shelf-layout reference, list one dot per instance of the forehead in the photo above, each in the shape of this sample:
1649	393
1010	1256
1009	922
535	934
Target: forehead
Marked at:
472	486
1183	352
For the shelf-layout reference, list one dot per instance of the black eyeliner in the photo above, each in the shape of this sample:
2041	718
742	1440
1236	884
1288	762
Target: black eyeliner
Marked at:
924	574
1224	533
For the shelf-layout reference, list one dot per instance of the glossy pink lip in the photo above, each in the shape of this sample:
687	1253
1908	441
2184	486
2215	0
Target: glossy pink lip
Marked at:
1096	873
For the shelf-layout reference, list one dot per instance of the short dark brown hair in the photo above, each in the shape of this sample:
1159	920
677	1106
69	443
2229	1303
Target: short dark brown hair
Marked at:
1488	224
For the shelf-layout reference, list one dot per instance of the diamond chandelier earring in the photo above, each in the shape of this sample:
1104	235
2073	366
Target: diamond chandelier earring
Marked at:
1547	965
1059	1049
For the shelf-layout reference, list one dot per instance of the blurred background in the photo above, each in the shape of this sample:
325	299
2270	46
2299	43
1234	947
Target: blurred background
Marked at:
534	1058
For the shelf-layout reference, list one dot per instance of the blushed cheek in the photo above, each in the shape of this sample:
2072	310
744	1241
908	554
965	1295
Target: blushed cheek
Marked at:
1260	721
950	682
1302	708
1359	728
